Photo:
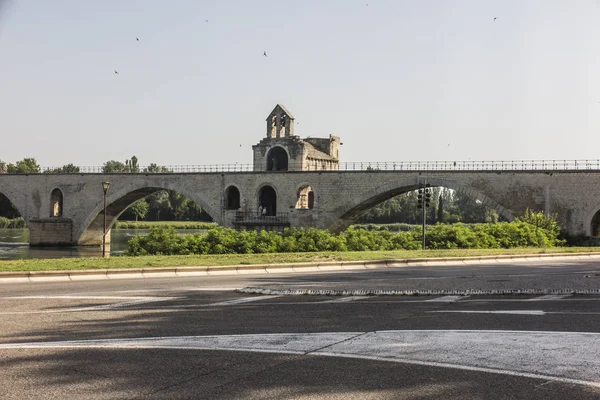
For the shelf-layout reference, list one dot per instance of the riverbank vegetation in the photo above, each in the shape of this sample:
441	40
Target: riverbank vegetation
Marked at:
533	230
164	224
12	223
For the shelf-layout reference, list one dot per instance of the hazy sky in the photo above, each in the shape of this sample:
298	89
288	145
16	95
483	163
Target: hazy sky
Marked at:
397	80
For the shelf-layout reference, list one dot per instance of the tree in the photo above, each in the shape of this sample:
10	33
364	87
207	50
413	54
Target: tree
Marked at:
156	169
139	209
114	167
65	169
25	166
132	165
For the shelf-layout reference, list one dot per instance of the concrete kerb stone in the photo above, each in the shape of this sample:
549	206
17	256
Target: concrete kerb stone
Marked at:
124	273
159	272
41	276
49	276
88	274
191	271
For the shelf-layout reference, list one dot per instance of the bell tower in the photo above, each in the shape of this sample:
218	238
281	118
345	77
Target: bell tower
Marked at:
280	123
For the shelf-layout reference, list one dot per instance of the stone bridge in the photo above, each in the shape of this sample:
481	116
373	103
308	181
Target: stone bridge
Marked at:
67	209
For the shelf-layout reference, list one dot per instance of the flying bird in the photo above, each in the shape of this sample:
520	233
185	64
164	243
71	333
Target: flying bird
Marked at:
448	145
116	73
137	39
495	18
265	53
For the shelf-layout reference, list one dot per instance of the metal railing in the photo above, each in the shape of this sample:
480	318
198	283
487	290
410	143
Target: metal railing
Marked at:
522	165
254	218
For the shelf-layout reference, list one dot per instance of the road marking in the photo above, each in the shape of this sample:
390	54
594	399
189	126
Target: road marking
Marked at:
513	312
526	354
446	299
345	299
241	301
133	301
204	289
550	297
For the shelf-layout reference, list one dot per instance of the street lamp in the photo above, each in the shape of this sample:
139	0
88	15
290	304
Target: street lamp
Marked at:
105	186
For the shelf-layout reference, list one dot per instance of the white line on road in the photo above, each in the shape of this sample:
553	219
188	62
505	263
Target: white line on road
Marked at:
446	299
513	312
241	301
526	354
550	297
133	301
347	299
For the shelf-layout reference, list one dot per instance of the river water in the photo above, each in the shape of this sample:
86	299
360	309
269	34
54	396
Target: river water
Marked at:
14	245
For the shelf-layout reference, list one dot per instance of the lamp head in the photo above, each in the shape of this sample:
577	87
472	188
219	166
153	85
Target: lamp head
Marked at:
105	186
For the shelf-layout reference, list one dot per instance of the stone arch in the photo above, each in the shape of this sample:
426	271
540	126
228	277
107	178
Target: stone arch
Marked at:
347	214
594	223
56	203
277	159
118	201
267	199
232	198
305	197
5	198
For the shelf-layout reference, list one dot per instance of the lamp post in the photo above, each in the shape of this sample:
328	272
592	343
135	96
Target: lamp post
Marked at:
105	186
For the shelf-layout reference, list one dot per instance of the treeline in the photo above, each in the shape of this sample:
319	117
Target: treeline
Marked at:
447	206
165	205
534	229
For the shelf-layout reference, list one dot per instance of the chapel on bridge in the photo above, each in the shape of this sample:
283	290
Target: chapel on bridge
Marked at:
281	150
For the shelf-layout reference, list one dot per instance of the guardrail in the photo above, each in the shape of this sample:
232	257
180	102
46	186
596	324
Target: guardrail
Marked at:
522	165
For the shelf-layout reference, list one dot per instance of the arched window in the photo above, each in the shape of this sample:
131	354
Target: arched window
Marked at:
56	203
277	159
232	198
267	200
306	198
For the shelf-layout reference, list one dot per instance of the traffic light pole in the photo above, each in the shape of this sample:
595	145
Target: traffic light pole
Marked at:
423	200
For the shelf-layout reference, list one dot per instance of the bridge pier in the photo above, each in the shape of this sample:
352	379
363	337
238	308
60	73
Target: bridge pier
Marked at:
53	231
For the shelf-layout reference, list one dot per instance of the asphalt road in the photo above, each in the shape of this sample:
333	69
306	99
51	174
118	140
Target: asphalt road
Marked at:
197	338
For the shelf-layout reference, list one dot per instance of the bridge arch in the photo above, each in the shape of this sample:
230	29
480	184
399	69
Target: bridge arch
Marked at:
267	198
5	197
347	214
119	200
232	198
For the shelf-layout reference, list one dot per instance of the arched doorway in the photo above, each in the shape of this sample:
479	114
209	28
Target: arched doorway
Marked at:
56	203
277	159
267	198
306	198
232	198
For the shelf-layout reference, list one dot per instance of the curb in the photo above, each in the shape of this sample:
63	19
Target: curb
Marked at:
165	272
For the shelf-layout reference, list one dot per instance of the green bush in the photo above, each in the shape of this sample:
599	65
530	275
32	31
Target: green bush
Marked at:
12	223
219	240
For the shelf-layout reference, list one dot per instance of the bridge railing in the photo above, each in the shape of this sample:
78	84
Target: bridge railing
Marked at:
255	218
470	165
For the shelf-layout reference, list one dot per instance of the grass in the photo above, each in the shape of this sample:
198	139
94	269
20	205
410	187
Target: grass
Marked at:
273	258
164	224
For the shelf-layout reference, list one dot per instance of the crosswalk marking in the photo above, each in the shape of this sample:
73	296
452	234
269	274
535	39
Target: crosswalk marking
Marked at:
447	299
346	299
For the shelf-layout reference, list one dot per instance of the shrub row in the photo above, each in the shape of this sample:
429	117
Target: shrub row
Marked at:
12	223
166	241
167	224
